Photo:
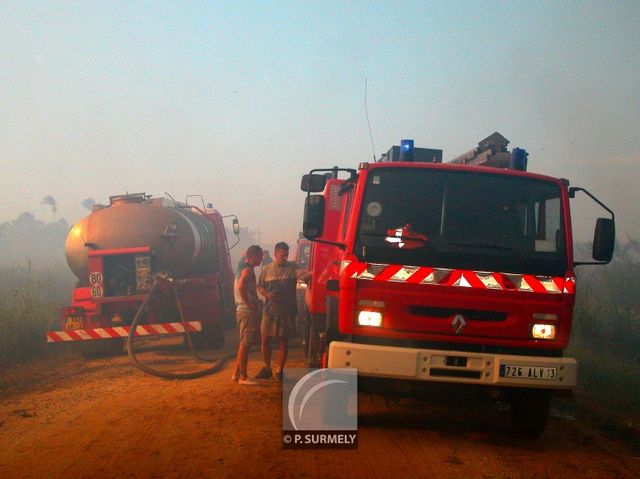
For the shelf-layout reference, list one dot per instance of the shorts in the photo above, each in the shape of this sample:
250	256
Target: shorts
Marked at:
248	325
276	325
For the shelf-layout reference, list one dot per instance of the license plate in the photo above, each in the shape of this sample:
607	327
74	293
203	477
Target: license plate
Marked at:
528	372
72	322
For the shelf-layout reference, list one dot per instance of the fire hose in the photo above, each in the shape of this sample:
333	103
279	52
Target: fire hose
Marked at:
217	363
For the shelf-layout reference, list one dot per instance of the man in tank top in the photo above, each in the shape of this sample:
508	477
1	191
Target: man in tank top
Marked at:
247	307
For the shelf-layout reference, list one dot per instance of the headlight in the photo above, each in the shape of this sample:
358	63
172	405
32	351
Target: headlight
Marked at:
370	318
543	331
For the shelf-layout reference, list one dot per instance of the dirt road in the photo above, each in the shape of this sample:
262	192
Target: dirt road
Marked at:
69	418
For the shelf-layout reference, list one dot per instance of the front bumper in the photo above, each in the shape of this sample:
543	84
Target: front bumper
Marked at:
453	366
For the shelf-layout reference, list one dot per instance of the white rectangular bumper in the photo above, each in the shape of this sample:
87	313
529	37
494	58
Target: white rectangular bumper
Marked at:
453	366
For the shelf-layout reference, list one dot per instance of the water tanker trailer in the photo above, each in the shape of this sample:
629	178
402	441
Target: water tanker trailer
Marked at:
120	250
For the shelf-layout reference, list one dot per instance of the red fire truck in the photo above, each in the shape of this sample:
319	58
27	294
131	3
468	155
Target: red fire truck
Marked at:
463	272
121	249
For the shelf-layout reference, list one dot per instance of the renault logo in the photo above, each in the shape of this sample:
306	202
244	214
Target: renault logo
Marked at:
458	324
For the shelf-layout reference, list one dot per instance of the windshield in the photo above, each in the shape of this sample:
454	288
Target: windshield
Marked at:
462	220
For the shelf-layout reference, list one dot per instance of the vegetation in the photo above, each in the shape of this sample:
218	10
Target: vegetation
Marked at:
606	336
34	283
29	305
25	241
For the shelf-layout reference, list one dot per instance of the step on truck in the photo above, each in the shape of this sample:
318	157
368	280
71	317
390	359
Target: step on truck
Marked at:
458	272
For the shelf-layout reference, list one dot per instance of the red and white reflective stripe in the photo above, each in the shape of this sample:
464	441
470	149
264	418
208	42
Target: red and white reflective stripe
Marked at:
123	331
457	277
569	285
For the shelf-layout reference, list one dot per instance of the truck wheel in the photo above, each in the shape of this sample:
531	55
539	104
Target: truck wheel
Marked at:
101	348
530	411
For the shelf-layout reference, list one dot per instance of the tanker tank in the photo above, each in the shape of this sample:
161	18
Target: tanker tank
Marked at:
182	242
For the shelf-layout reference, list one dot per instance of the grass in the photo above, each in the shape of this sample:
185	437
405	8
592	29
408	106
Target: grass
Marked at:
609	385
30	300
606	338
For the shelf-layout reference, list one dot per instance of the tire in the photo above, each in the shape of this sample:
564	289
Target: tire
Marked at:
530	412
101	348
212	335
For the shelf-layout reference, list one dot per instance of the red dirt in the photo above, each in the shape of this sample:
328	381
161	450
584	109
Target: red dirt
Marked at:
66	417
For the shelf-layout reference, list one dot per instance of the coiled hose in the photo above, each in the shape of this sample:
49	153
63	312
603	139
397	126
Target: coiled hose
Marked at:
215	367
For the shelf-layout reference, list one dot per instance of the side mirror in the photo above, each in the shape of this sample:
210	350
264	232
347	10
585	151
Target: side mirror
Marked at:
313	222
604	239
235	227
313	183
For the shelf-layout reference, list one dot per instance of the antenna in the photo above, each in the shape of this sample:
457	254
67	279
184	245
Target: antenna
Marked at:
366	112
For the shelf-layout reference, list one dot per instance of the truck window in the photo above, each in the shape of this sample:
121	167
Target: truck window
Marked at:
547	224
467	220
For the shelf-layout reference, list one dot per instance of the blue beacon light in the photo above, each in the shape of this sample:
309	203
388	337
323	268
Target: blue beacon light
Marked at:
406	150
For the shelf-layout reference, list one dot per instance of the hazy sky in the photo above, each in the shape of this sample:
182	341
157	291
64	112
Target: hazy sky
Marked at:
236	100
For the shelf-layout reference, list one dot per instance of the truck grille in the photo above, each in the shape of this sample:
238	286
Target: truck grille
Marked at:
477	315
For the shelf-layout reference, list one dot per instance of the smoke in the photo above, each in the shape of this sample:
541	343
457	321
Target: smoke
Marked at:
26	240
